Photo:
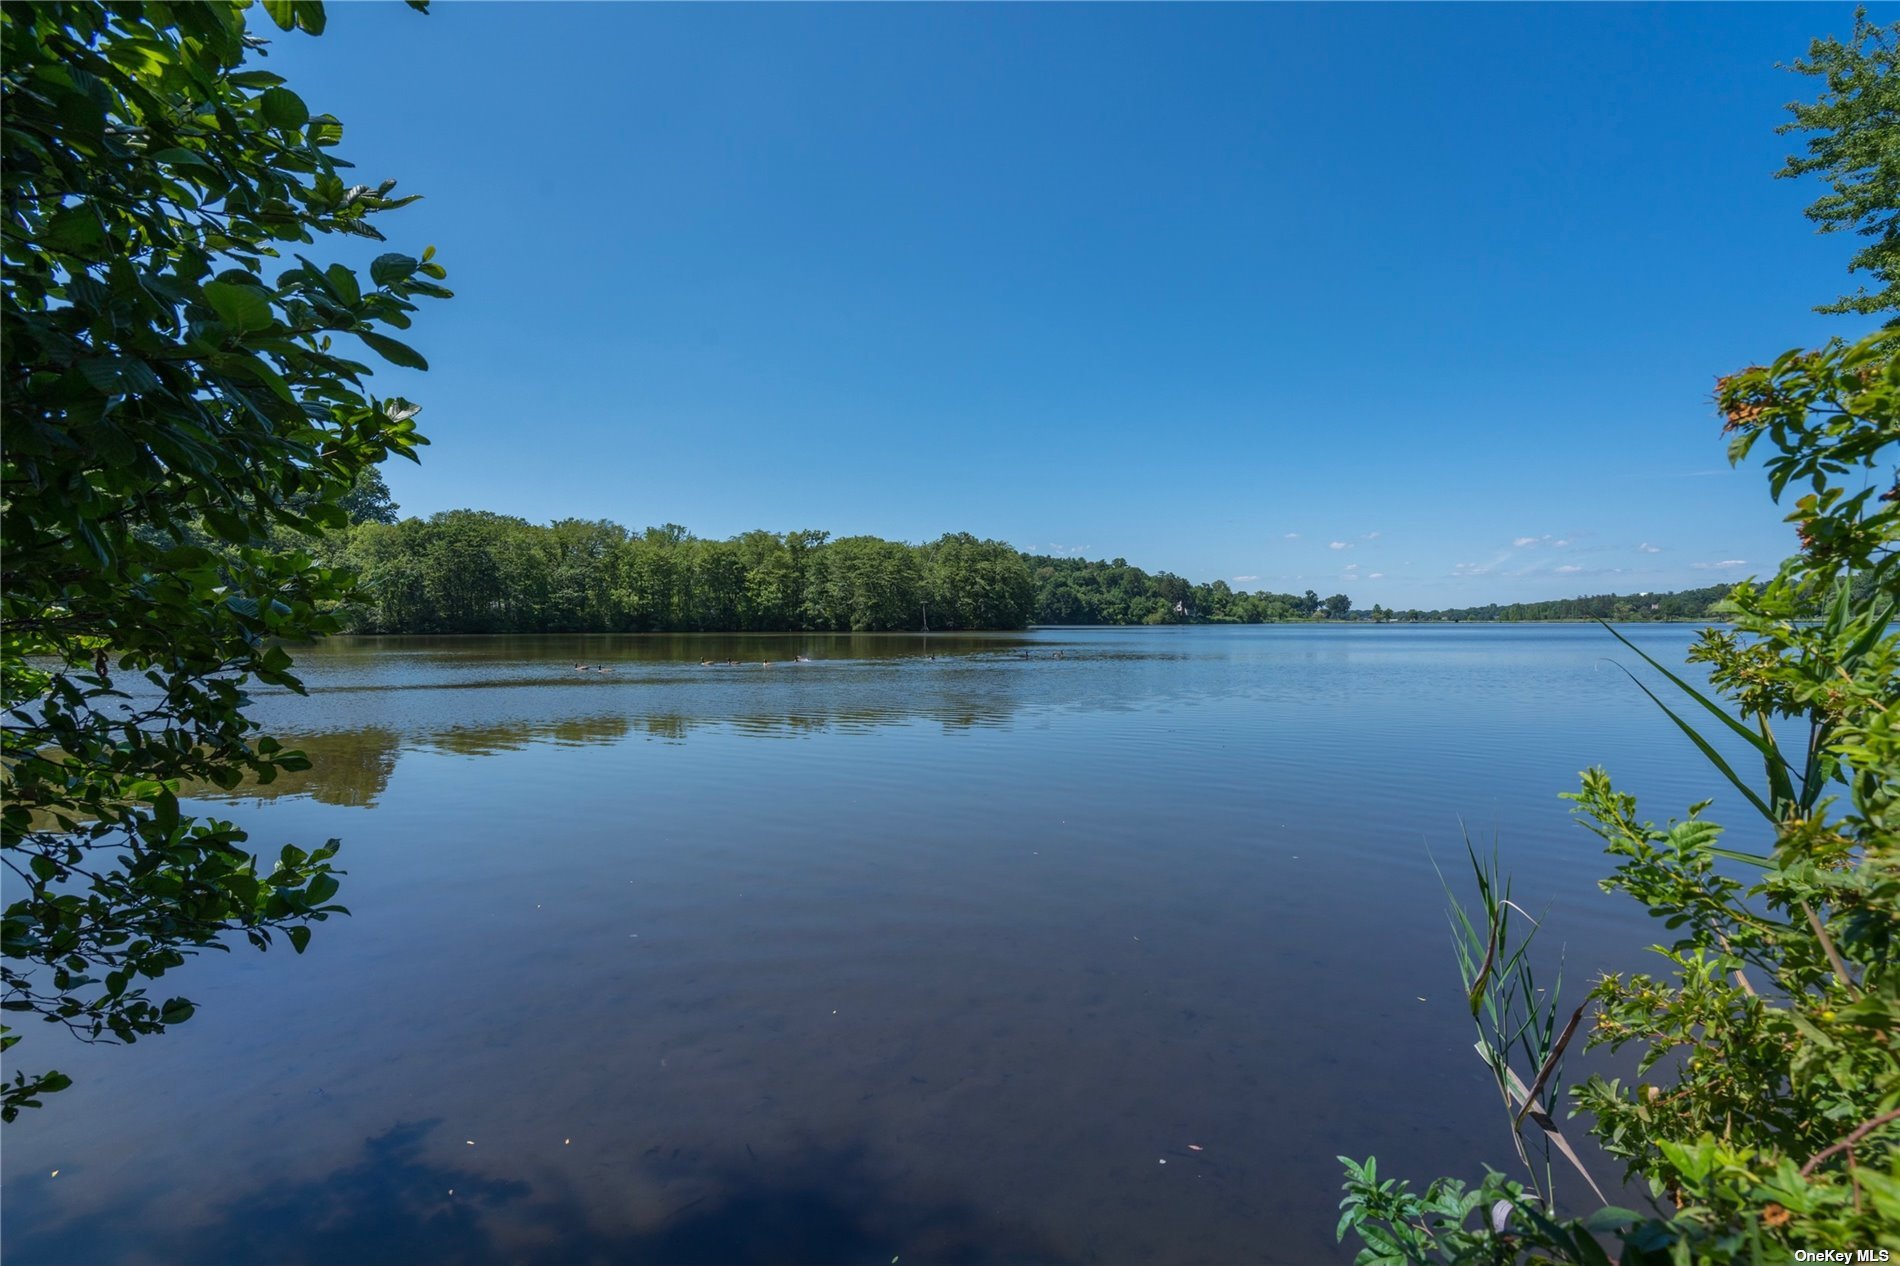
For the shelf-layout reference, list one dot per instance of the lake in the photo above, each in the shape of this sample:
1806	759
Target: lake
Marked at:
1088	945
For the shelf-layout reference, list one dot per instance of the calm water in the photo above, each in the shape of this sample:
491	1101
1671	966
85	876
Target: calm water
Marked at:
917	951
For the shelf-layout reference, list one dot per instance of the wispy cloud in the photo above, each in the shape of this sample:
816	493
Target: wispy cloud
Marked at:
1338	545
1370	536
1647	548
1239	579
1377	575
1291	536
1352	567
1721	566
1568	569
1066	549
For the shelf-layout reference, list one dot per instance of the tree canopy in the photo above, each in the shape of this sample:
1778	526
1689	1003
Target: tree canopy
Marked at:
183	387
1853	129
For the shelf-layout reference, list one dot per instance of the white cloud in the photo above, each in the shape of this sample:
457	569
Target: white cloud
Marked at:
1523	541
1568	569
1725	563
1338	545
1238	579
1562	543
1647	548
1377	575
1370	536
1291	536
1483	569
1352	566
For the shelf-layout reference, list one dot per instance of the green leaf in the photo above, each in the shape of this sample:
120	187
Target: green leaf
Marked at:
283	108
392	351
343	281
282	12
243	308
389	269
177	157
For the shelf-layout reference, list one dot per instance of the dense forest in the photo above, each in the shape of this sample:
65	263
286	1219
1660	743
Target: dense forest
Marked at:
473	571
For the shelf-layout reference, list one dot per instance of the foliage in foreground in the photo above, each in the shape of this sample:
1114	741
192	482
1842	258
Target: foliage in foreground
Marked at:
1853	144
174	394
1766	1117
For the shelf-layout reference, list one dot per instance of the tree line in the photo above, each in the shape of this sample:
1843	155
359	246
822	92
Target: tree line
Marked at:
474	571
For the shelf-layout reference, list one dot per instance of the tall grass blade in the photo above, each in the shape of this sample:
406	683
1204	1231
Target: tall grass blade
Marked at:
1779	770
1550	1062
1714	757
1548	1125
1476	996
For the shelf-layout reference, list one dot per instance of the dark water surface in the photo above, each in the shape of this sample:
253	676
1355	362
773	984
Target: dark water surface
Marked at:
879	956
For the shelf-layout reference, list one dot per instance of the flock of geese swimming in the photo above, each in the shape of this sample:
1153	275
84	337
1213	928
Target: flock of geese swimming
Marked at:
704	663
735	663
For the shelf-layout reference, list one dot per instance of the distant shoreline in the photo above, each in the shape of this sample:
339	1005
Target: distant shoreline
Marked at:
923	634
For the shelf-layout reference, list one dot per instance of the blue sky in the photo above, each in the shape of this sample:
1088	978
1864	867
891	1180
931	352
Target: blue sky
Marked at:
1423	304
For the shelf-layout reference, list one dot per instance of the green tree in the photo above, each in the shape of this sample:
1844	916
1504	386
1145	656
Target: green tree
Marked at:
174	395
973	584
461	572
1338	606
718	587
1854	144
368	500
389	562
862	584
576	560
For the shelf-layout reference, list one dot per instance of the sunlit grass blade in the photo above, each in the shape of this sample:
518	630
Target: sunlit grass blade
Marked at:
1779	771
1714	757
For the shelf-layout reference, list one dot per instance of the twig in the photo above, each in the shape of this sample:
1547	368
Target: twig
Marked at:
1827	946
1847	1144
1740	979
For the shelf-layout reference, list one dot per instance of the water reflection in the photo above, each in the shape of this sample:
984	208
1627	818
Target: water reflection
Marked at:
350	768
401	1203
487	696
